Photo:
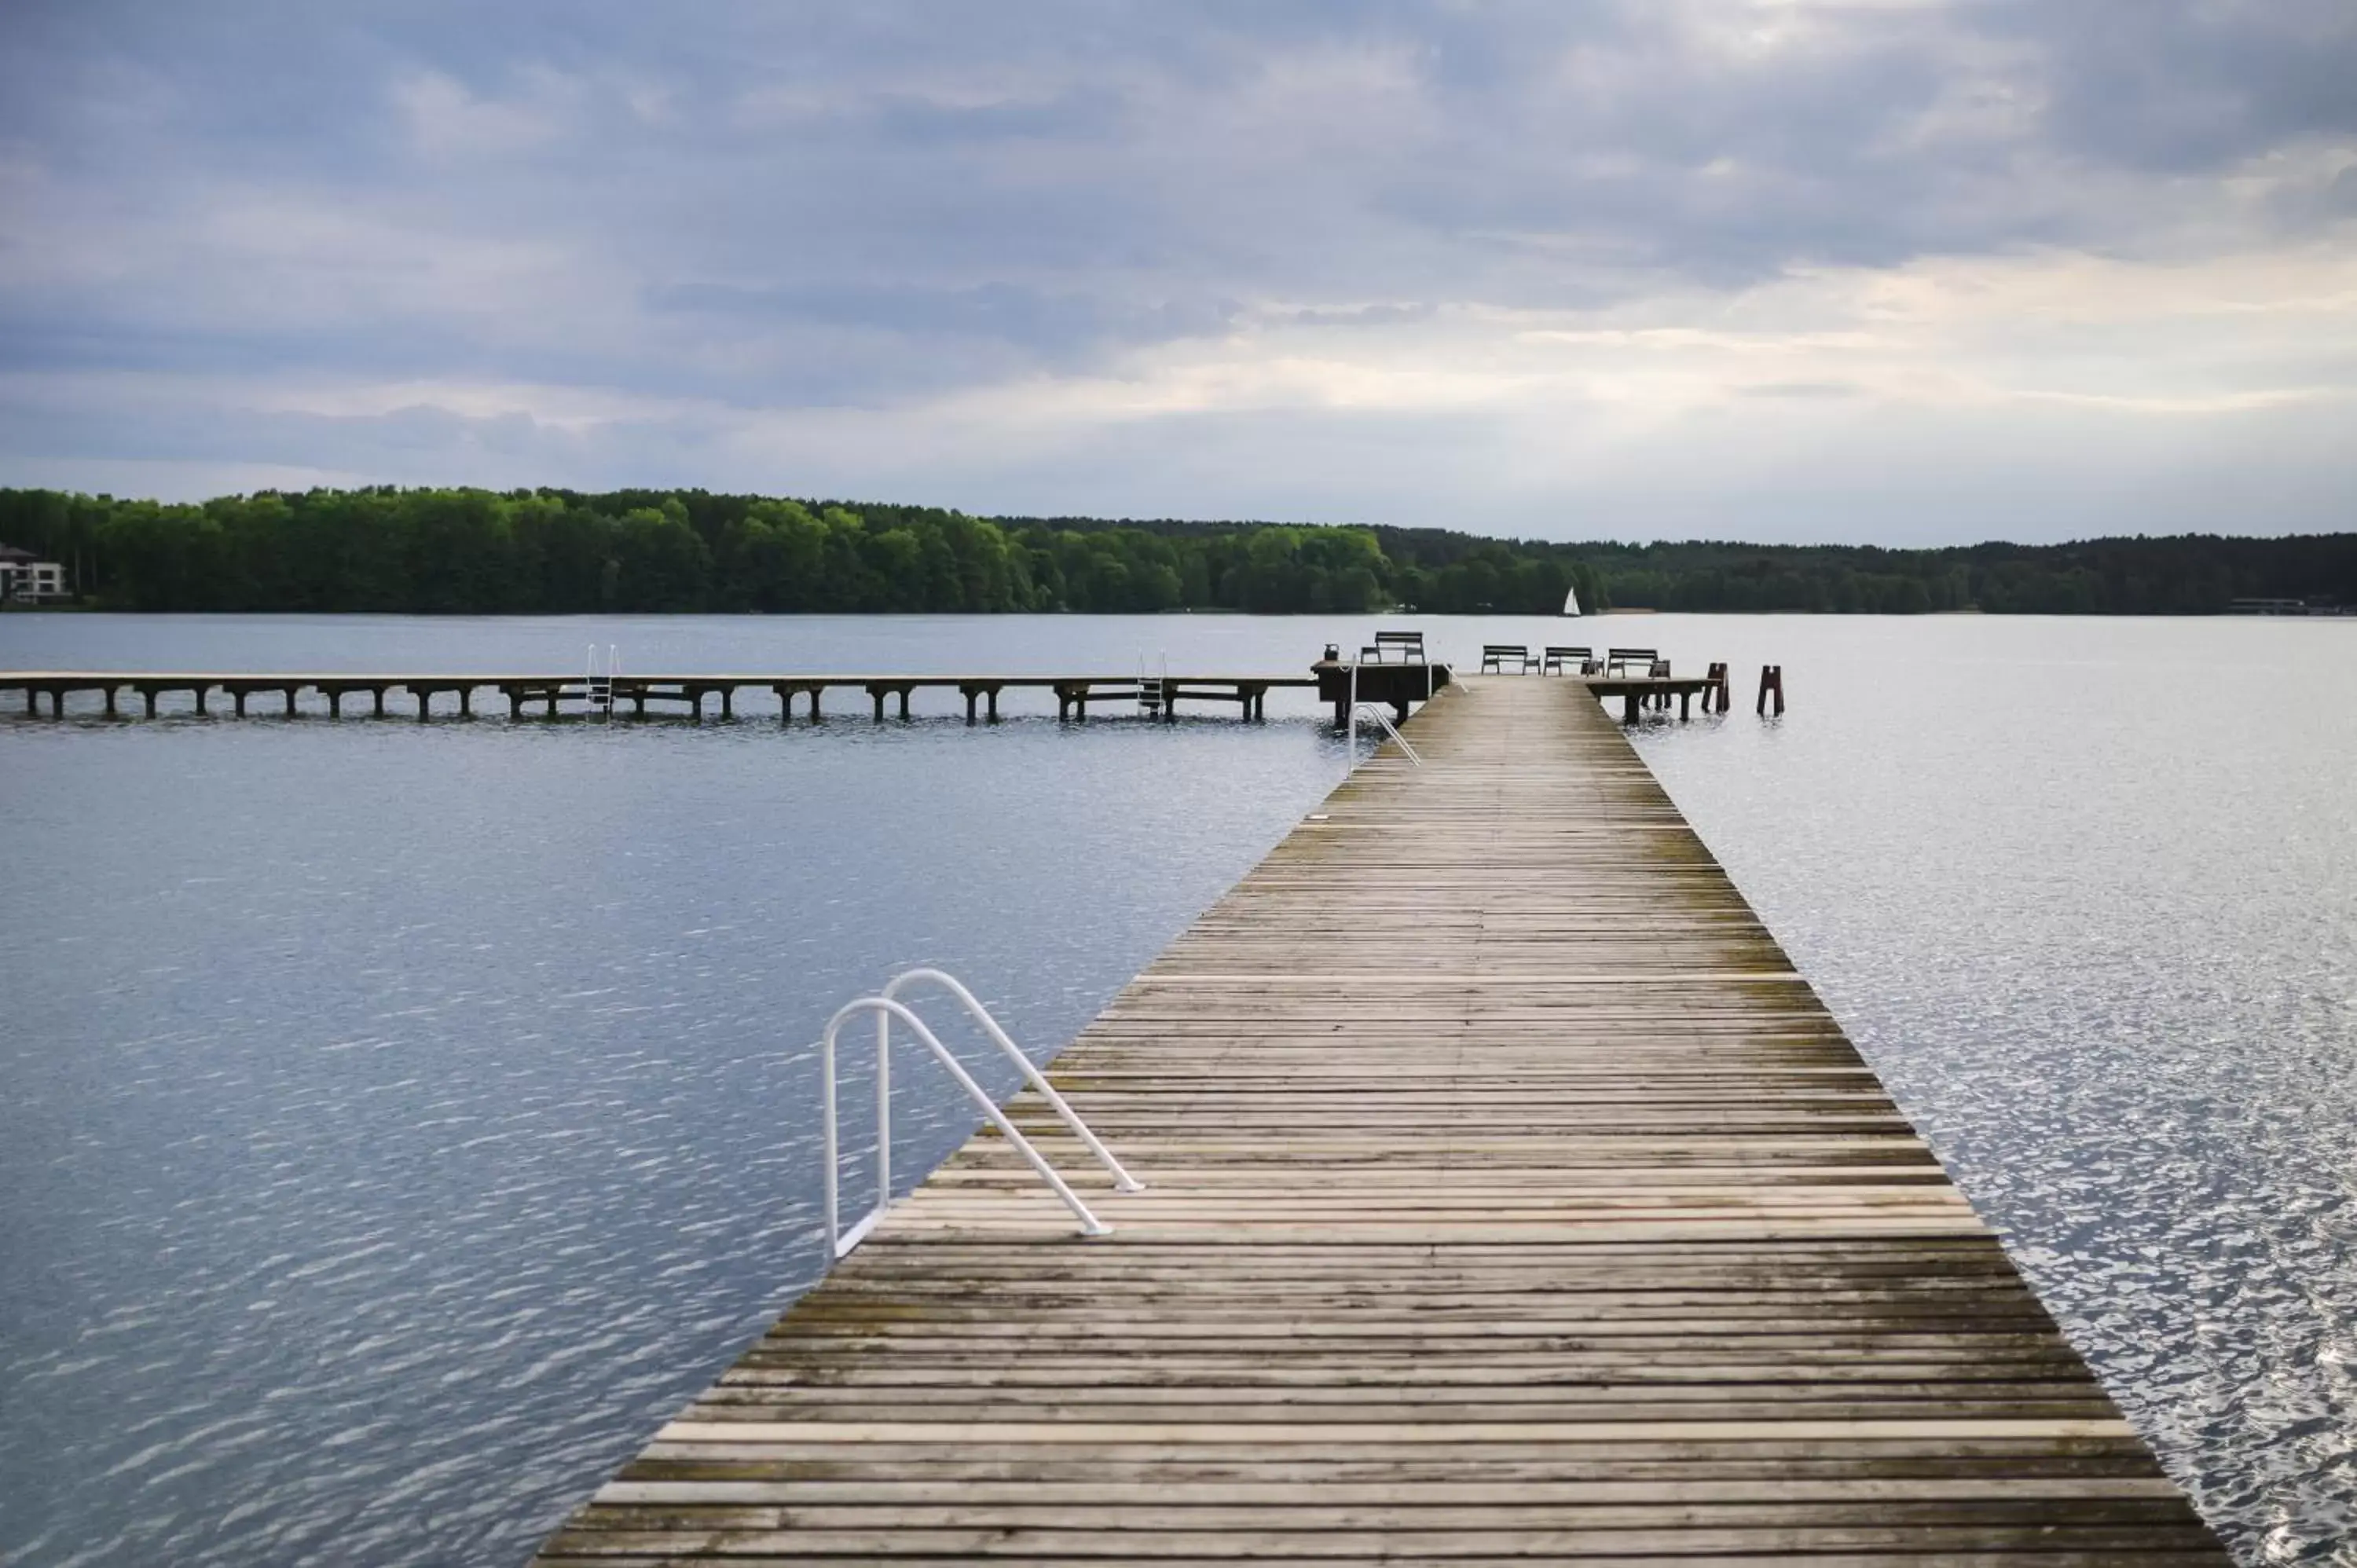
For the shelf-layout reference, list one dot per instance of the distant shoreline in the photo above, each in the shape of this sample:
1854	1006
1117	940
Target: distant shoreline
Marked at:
88	609
558	552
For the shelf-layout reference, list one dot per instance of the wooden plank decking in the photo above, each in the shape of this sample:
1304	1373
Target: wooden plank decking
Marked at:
1510	1197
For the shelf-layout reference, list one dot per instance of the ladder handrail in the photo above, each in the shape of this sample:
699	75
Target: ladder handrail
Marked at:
840	1241
1154	691
1122	1180
1375	712
598	691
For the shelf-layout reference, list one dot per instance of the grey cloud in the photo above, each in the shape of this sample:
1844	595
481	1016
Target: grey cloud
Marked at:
759	205
422	443
2190	87
1057	324
918	122
1359	315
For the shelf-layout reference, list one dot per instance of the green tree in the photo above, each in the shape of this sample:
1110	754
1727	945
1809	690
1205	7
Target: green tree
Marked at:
663	563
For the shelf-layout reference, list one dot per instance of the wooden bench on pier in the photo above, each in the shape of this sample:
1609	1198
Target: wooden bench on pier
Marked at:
1497	656
1558	659
1617	660
1409	645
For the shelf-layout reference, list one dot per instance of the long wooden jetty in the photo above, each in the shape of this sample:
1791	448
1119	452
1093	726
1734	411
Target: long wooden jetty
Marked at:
1509	1196
551	696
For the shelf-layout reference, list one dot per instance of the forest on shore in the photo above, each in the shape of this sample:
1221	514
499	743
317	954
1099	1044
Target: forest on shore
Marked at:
460	550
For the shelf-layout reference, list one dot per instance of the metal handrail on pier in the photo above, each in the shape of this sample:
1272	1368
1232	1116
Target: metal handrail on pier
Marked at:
887	1006
1375	710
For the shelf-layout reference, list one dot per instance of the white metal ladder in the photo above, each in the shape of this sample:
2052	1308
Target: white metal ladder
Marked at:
599	688
885	1006
1375	712
1153	691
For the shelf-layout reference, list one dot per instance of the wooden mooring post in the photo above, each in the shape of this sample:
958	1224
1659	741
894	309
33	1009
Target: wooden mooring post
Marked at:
1771	683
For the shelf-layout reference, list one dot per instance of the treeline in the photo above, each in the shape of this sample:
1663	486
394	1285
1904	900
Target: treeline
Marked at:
558	550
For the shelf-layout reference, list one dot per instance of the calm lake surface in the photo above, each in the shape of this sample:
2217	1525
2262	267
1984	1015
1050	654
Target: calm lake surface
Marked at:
397	1123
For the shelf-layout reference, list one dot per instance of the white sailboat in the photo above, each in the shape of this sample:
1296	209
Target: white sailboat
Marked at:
1571	602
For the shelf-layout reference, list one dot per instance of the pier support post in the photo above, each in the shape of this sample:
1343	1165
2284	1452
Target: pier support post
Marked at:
1772	680
990	699
1630	703
466	702
335	702
149	694
904	701
200	702
728	701
109	703
377	693
290	700
425	703
515	702
237	698
816	716
695	703
875	695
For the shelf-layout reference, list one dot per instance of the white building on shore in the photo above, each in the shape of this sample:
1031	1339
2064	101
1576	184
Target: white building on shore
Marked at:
27	580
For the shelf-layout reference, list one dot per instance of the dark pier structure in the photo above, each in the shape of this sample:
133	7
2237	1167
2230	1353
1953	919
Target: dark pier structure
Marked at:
547	697
1393	673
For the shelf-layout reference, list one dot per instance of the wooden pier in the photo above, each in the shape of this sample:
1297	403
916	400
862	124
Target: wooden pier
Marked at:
547	697
1508	1197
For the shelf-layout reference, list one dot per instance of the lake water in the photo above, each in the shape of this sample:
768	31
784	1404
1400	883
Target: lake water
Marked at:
397	1123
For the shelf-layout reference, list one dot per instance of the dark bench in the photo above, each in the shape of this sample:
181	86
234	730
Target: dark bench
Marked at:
1618	660
1495	656
1408	644
1558	658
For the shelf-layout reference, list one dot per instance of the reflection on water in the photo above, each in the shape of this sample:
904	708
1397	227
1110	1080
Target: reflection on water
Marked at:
397	1124
2086	894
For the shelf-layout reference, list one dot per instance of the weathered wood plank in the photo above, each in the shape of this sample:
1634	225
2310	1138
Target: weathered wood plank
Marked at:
1510	1197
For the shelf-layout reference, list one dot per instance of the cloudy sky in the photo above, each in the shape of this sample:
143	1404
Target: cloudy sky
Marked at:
1809	269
